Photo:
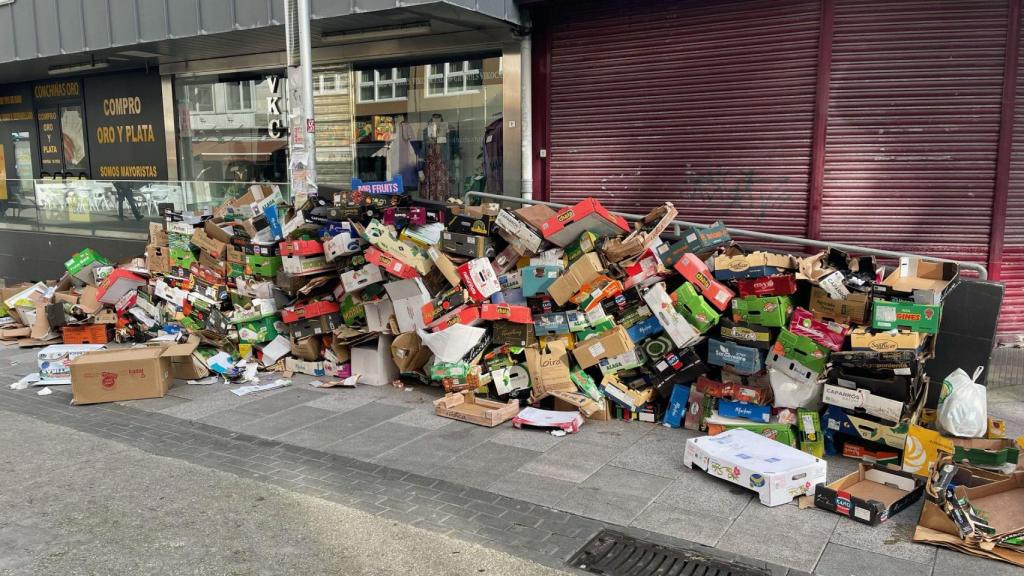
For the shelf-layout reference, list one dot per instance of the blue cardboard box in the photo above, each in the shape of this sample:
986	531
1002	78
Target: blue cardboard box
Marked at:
536	279
551	324
742	359
732	409
677	404
644	328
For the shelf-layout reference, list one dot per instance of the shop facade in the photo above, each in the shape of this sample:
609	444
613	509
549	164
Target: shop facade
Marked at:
894	125
101	130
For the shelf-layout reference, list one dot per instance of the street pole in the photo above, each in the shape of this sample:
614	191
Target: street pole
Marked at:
302	143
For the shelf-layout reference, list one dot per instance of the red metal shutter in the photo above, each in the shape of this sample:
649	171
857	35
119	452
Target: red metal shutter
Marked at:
913	125
1011	317
705	104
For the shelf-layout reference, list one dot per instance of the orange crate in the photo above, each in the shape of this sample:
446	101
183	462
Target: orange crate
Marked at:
87	334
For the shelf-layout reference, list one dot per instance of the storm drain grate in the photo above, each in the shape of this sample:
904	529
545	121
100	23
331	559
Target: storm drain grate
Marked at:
615	554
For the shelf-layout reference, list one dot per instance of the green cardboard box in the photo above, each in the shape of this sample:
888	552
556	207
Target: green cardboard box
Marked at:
802	349
770	311
887	315
808	425
258	331
82	264
586	243
262	266
697	311
182	257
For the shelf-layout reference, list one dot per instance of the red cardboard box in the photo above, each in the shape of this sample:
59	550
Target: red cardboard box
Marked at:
468	315
309	310
590	215
117	284
301	248
778	285
389	263
479	278
696	271
831	335
516	314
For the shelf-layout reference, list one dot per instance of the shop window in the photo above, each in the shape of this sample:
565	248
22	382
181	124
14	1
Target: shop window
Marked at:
384	84
452	78
328	83
201	98
239	96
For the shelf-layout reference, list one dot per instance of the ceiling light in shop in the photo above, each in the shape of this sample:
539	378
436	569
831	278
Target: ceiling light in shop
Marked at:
388	33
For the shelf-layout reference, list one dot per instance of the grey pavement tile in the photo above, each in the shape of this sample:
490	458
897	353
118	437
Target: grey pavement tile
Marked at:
421	417
891	538
660	452
414	397
280	400
343	425
838	560
285	421
435	447
206	401
839	466
572	460
155	404
346	399
232	419
532	488
953	563
702	493
783	535
530	438
614	433
482	465
613	494
666	518
374	441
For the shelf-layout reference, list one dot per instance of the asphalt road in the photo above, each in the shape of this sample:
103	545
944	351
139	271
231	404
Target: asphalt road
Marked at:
72	503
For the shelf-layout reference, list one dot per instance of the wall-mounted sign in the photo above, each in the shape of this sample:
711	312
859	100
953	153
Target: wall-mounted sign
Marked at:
57	90
275	128
50	156
126	127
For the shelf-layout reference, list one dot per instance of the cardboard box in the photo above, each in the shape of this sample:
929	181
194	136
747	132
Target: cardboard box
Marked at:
373	363
828	334
742	359
774	431
753	335
465	406
871	495
407	298
836	421
516	314
705	239
776	472
408	352
213	247
304	265
696	271
747	411
131	374
678	402
888	341
860	400
522	236
442	305
117	284
86	334
611	343
694	308
549	370
82	264
356	280
504	332
623	394
854	309
381	237
800	348
772	311
389	264
647	231
916	317
54	361
537	279
754	265
158	259
467	245
479	279
550	324
778	285
675	325
588	215
923	281
585	244
309	368
262	266
581	273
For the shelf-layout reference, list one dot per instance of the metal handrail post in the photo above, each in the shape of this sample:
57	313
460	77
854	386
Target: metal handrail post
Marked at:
979	268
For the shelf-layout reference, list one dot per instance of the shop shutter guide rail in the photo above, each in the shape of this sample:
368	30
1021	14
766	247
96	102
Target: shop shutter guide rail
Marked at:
677	226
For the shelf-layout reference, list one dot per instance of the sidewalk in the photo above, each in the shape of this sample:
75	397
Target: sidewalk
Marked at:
620	473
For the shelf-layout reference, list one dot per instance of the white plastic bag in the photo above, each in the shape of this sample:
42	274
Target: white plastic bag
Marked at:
963	405
792	393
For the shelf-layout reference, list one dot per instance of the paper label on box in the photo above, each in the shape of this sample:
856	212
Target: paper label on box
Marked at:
722	297
862	513
903	371
833	424
885	314
596	349
833	284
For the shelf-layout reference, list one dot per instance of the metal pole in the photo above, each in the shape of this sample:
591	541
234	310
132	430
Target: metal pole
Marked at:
526	110
306	63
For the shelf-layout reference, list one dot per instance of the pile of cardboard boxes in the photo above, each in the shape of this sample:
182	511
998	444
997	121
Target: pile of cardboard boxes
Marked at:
543	318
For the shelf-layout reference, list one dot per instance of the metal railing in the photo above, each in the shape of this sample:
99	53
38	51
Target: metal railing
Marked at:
677	226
